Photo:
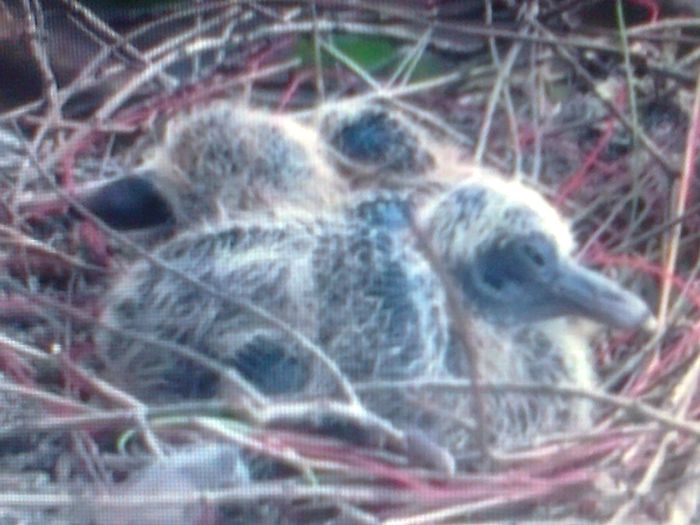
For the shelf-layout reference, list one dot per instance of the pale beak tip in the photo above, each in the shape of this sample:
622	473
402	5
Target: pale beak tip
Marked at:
650	325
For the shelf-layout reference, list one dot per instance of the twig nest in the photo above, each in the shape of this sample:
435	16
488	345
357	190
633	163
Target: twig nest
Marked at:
169	489
12	152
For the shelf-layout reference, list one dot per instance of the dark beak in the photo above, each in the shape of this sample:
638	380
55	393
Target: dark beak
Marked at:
129	203
583	292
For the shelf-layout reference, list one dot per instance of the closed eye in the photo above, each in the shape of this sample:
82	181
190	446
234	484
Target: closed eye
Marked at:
514	270
534	254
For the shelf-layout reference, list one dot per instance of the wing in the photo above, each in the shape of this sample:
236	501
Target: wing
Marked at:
264	266
382	308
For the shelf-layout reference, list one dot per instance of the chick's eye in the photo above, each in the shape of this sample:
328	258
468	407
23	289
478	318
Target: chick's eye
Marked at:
534	255
494	279
514	268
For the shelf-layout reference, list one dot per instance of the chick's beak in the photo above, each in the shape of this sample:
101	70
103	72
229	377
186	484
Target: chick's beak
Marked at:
584	292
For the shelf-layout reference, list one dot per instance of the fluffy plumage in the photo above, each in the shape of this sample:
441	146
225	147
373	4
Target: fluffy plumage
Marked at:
375	146
224	158
217	161
360	284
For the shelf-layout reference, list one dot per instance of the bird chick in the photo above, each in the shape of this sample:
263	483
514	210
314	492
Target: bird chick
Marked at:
216	161
362	284
375	146
510	255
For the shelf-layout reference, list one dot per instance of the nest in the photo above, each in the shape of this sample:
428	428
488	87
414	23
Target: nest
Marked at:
604	120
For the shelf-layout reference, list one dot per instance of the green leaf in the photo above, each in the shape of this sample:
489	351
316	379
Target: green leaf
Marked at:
369	52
